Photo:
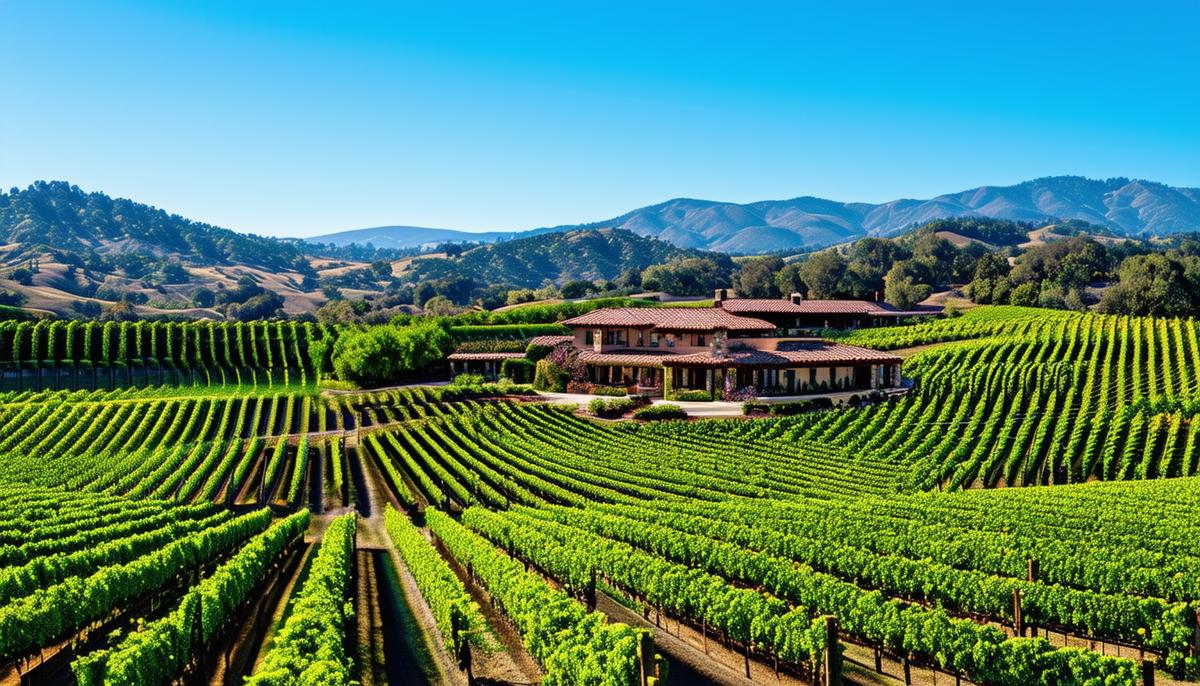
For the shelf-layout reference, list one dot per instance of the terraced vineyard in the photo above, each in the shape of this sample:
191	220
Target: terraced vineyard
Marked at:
136	539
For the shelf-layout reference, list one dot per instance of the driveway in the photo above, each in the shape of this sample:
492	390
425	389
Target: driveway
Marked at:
694	409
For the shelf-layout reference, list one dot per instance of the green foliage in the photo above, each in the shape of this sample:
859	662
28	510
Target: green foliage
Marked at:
1025	295
1155	285
615	391
550	377
386	354
902	290
755	278
510	332
57	611
557	257
615	407
60	217
519	369
572	645
310	649
660	411
457	616
688	396
689	276
468	380
159	651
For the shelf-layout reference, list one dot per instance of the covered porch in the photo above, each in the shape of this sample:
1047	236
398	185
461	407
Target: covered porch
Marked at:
642	379
486	364
782	381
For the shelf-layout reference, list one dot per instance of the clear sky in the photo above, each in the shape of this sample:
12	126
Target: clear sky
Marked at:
294	118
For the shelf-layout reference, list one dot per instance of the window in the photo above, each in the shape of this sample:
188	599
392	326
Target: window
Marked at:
588	340
653	340
641	341
670	340
700	340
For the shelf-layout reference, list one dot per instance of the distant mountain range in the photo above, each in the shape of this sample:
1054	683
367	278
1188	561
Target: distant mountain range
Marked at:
403	237
1127	207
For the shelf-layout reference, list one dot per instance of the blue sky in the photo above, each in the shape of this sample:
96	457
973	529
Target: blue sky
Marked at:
302	118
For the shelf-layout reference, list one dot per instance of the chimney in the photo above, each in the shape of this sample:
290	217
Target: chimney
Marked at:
796	298
719	296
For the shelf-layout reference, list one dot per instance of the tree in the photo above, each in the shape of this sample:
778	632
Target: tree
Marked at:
262	306
1150	285
990	283
629	278
871	258
422	292
901	290
173	272
788	281
756	278
384	354
120	311
203	297
440	306
520	295
687	276
824	274
331	292
22	276
577	289
1025	295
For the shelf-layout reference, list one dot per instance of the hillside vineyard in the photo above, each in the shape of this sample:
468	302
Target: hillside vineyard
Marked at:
170	494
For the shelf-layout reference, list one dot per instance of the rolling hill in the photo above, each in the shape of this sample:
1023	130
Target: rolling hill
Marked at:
1126	207
554	257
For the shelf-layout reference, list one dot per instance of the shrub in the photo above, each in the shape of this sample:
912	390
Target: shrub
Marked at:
491	345
690	396
506	331
518	369
550	377
611	391
487	390
616	407
799	407
750	407
663	411
536	352
468	380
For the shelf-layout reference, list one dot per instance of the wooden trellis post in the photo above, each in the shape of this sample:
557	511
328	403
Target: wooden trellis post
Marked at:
646	657
1018	624
832	657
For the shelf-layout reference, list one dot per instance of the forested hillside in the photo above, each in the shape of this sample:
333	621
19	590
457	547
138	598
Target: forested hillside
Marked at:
95	228
555	257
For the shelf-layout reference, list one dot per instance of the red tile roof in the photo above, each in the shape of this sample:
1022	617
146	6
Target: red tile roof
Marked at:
807	354
626	358
550	341
778	306
670	319
483	357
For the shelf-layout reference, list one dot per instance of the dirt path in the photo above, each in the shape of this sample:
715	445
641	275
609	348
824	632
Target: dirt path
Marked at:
696	660
512	664
240	654
397	604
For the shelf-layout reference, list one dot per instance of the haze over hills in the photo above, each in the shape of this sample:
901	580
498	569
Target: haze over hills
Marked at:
1127	207
404	237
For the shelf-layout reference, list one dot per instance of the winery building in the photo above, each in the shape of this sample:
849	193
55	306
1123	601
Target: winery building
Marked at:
737	343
